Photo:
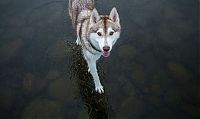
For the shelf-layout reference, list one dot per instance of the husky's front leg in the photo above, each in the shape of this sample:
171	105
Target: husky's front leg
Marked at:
93	71
78	41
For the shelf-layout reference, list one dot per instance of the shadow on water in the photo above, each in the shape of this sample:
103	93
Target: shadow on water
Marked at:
96	104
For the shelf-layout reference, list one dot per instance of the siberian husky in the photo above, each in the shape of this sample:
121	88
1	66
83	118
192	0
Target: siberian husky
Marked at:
96	34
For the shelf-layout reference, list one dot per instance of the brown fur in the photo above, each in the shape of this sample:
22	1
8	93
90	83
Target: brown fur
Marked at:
76	6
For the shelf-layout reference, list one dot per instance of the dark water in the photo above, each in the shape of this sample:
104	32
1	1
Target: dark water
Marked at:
152	72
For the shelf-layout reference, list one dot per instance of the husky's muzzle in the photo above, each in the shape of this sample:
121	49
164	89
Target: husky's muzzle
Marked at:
106	51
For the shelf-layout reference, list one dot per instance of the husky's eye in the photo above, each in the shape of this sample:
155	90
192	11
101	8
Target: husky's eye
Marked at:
99	34
111	33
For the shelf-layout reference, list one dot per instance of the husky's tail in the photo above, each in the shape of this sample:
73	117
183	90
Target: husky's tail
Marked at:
70	7
72	13
76	6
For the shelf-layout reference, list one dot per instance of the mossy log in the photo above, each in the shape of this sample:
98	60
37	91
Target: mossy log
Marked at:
96	104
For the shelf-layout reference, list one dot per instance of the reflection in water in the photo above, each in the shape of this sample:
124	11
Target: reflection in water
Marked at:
96	103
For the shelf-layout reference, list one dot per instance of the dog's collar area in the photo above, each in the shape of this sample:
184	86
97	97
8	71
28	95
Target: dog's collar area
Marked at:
94	46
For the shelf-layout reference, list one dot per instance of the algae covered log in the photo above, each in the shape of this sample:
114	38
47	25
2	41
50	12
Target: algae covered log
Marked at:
96	104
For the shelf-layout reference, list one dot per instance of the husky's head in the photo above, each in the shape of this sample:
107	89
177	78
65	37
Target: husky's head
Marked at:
104	30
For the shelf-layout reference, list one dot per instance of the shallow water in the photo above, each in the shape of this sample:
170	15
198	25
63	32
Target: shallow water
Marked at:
152	72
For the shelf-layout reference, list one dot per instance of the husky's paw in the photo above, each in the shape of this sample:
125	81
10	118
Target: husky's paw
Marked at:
77	41
99	89
88	69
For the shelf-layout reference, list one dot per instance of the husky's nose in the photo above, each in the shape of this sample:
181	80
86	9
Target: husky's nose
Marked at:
106	48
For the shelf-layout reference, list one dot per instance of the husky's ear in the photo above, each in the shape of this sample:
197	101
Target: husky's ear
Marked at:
114	16
94	16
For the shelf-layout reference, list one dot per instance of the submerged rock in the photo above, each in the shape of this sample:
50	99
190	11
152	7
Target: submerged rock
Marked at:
166	113
127	51
53	74
179	72
192	110
43	109
56	52
83	115
33	84
172	96
62	90
10	50
131	107
138	75
7	98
